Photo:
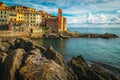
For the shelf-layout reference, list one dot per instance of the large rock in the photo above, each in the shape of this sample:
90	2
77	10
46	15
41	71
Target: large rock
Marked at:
12	64
4	46
25	44
40	68
108	35
79	65
106	70
10	41
85	72
36	52
2	57
54	55
42	49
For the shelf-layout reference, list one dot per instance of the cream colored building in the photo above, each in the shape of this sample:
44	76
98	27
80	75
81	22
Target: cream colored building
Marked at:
12	15
38	19
4	16
34	20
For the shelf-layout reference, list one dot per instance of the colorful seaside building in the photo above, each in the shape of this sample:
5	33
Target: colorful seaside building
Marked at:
4	17
14	17
45	16
30	16
25	19
57	24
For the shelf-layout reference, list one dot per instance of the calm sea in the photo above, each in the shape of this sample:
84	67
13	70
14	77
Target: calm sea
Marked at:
92	49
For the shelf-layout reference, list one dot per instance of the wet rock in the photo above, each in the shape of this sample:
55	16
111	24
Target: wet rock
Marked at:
86	72
5	39
57	57
10	41
109	71
36	52
42	49
4	47
2	57
54	55
79	65
25	44
91	35
12	64
40	68
107	36
2	60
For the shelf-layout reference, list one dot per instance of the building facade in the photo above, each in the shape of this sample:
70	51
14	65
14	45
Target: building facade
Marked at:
4	16
16	15
30	16
25	19
57	24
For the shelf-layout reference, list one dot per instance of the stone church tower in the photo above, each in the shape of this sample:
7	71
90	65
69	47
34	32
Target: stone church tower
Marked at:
60	20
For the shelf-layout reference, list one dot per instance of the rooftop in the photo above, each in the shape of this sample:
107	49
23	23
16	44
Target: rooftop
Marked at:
2	4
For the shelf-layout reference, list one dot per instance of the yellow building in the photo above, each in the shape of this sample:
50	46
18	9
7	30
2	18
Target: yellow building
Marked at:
20	16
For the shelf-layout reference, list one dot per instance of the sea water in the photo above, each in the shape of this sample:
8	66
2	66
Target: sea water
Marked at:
93	49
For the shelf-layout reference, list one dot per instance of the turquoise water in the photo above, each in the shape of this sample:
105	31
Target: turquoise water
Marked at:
93	49
96	28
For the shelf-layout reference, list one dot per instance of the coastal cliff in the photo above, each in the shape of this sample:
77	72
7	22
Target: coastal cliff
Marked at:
23	59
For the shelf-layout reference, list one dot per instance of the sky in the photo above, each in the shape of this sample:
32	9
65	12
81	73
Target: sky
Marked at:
77	11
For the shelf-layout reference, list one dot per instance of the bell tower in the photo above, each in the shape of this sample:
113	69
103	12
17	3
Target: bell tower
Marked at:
60	20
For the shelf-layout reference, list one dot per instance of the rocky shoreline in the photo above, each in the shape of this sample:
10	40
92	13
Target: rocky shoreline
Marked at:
23	59
65	35
62	35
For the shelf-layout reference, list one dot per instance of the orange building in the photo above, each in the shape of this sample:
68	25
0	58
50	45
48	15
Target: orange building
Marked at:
2	5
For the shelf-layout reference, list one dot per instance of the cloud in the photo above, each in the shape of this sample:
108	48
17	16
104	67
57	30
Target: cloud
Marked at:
77	11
